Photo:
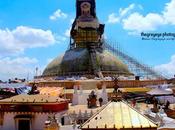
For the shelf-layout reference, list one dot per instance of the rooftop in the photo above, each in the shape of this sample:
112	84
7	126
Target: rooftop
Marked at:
31	99
118	115
131	90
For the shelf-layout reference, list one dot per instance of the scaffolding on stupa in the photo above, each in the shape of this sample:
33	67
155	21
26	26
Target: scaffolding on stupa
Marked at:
135	66
86	56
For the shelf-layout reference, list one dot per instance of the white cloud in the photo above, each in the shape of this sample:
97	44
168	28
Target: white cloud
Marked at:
58	14
71	21
49	60
19	60
60	39
17	40
18	67
124	11
140	7
67	32
169	12
137	22
112	18
167	69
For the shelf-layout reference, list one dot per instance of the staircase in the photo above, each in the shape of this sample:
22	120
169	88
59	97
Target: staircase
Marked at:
95	64
135	66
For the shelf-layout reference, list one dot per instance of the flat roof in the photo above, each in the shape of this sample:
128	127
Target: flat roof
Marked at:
71	91
32	99
52	91
132	90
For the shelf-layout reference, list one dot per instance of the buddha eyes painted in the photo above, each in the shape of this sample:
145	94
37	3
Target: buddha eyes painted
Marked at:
85	8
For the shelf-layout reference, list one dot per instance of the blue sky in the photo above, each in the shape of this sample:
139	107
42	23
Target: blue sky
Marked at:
33	32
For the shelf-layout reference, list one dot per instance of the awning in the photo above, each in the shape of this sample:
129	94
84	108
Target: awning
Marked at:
134	90
159	92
